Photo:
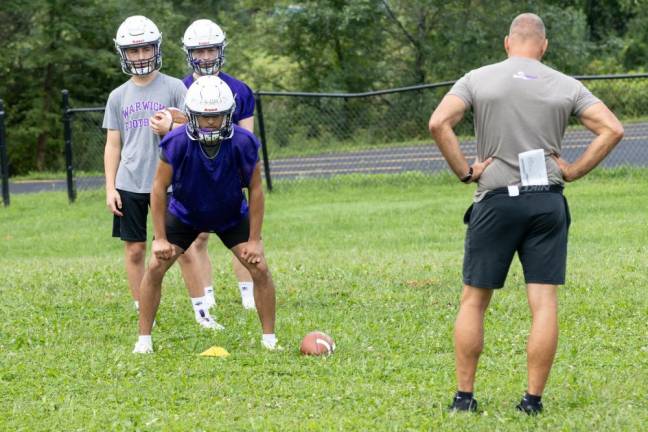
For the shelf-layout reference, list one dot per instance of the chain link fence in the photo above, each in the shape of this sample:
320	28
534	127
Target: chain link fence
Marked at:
4	159
323	135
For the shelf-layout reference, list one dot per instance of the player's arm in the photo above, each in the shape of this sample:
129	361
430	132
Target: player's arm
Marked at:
608	130
444	118
247	123
161	247
112	156
253	251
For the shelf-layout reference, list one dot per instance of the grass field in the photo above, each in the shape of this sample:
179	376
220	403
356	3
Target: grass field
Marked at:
377	264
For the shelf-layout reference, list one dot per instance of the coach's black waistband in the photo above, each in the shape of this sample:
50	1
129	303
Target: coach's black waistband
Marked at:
528	189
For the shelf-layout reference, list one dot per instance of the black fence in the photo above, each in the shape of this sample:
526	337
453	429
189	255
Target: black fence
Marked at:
323	135
4	160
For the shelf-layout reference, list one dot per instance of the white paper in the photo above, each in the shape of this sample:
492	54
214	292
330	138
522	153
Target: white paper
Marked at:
533	169
513	191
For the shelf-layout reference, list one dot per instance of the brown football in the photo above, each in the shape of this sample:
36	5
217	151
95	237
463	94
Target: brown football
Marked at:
177	115
317	343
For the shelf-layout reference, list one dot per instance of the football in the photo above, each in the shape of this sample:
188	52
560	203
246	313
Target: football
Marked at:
317	343
177	115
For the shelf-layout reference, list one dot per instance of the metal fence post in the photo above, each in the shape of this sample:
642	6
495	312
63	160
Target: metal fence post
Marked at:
67	136
264	145
4	161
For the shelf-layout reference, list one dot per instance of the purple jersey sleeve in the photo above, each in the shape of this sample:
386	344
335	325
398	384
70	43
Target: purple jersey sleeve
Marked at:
246	153
173	145
243	96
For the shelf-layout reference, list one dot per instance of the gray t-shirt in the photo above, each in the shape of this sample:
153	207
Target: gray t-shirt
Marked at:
128	110
519	105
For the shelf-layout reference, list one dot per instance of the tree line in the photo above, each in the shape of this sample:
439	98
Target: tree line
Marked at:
323	45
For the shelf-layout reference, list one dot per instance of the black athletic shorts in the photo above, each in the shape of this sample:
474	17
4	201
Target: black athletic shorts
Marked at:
132	226
534	223
183	235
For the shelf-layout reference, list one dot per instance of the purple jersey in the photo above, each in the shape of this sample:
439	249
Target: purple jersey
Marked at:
242	95
207	192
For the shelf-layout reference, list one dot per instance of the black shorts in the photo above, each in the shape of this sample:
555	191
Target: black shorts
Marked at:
132	225
535	224
183	235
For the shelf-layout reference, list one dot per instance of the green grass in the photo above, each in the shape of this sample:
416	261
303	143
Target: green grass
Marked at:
374	261
52	175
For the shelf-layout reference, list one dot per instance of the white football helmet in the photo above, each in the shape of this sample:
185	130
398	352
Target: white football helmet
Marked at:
204	33
209	96
137	31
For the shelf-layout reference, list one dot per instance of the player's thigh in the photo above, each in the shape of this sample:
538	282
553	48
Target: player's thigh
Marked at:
178	233
131	226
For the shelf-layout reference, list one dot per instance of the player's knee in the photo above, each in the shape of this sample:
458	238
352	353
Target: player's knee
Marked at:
156	267
260	270
136	252
200	244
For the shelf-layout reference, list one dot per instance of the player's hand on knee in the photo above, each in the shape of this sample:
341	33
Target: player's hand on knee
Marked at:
162	249
252	252
114	203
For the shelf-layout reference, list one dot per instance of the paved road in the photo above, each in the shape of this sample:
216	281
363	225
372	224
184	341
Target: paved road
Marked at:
633	150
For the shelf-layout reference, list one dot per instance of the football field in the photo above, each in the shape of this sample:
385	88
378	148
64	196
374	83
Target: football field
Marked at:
374	263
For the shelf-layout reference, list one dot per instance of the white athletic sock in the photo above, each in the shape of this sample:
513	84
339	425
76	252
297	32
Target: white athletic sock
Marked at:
246	288
145	340
209	296
136	303
247	294
201	309
269	339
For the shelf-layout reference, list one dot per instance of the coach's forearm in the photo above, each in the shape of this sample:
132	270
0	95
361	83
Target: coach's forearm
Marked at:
158	209
448	144
600	147
257	208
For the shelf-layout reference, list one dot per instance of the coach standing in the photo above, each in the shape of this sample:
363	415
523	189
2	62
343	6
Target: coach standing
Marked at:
521	109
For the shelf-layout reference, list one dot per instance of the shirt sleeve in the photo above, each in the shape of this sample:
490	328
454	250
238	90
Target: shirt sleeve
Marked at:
247	156
584	100
111	113
168	150
462	89
179	96
246	98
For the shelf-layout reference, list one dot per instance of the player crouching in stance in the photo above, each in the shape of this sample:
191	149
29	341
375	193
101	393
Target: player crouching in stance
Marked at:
207	163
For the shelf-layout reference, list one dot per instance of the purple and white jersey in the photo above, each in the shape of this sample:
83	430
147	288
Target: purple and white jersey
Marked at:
242	95
207	192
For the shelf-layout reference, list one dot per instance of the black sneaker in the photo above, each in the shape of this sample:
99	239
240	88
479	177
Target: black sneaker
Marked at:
529	408
463	404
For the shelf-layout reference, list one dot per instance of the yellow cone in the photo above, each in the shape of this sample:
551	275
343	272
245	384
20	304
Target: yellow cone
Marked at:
215	351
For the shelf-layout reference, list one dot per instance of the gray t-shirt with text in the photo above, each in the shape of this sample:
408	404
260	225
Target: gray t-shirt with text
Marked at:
519	105
128	110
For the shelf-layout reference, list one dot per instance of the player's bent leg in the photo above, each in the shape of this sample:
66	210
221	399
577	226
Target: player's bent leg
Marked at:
543	338
245	283
134	260
264	290
469	334
196	267
150	293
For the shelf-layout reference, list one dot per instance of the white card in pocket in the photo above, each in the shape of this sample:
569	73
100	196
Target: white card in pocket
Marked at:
533	169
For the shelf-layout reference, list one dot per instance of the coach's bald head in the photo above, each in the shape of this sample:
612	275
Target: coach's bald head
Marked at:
527	37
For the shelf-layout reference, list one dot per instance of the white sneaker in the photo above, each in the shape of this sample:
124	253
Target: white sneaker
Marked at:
248	302
143	348
209	323
271	347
